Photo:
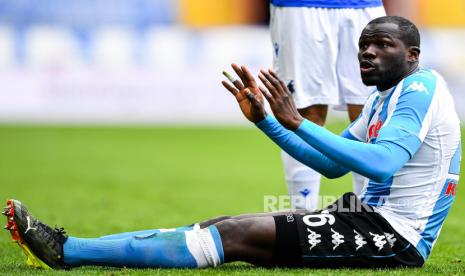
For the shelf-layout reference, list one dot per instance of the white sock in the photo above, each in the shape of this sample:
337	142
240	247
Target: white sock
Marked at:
303	183
358	181
201	244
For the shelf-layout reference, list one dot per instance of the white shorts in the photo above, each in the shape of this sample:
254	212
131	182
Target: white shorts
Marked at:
315	53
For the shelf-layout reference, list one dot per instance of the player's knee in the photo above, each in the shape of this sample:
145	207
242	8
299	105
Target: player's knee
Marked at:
233	232
221	218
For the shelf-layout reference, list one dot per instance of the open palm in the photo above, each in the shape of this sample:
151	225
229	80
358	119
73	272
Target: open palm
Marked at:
247	94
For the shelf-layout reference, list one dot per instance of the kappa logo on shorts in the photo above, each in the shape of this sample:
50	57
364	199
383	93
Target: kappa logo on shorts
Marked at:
359	240
379	240
337	239
313	238
390	238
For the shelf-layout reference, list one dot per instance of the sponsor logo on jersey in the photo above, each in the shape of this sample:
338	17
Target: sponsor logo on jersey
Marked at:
373	130
451	188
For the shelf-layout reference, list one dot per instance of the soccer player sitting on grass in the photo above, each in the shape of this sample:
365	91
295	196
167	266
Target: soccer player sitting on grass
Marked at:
406	142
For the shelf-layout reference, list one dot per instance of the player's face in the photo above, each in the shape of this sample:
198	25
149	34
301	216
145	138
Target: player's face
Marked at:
382	55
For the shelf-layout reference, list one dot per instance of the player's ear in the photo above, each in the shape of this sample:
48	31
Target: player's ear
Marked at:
413	54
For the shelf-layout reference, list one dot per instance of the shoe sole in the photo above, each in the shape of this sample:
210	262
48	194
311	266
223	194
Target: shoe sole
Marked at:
32	259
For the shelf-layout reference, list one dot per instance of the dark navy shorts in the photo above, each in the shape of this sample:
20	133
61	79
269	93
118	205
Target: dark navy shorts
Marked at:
347	233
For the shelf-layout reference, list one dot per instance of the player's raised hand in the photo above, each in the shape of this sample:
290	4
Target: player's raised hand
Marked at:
280	99
247	93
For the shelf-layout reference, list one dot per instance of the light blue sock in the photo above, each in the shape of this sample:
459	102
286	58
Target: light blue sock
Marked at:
176	249
146	232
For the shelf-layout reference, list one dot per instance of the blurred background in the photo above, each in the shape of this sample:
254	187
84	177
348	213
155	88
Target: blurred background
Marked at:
160	61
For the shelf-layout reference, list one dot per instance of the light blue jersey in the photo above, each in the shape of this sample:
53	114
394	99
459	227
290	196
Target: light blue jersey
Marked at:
338	4
417	198
406	142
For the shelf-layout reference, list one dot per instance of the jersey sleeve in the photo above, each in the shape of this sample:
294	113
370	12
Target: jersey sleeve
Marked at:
299	149
412	115
375	161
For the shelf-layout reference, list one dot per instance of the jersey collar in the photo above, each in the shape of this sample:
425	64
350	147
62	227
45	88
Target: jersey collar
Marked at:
385	93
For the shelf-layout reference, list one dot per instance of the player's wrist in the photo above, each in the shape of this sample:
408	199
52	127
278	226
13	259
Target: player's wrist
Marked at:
266	118
293	124
258	117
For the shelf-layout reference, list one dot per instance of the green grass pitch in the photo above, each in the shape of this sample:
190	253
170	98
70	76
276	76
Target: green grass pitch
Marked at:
102	180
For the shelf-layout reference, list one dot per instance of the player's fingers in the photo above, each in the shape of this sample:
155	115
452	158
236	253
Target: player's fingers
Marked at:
249	94
274	81
237	83
273	88
239	72
265	93
252	97
281	82
230	88
268	85
249	77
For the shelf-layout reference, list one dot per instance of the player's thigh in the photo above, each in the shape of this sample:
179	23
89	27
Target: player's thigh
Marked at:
269	214
218	219
248	239
305	52
352	22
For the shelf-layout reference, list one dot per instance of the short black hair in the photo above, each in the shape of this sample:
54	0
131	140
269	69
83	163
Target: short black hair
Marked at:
409	33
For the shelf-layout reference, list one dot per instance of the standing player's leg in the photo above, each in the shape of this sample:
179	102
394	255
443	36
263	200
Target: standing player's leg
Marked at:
353	92
358	180
354	110
305	58
316	113
303	183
